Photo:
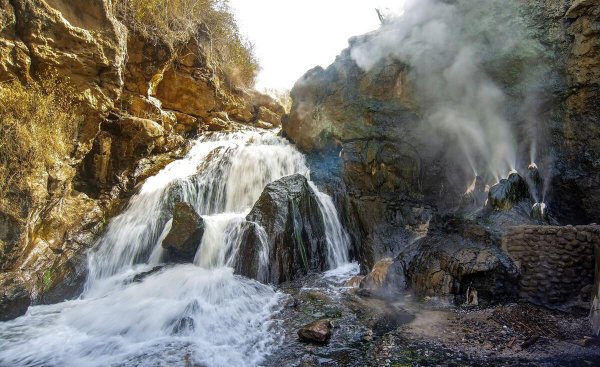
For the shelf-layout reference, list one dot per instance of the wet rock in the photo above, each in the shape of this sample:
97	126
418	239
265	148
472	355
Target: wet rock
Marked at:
138	278
289	227
317	331
310	361
248	262
453	265
14	296
217	124
264	125
183	240
508	192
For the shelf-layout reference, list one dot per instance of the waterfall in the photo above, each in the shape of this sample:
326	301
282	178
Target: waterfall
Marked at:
338	240
197	313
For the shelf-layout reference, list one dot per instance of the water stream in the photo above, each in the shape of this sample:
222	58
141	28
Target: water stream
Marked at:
190	314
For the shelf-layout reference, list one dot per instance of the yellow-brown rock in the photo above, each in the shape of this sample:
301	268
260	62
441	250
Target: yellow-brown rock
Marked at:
188	90
376	278
266	115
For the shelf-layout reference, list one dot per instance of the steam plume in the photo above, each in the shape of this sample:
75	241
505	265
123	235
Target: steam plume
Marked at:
462	54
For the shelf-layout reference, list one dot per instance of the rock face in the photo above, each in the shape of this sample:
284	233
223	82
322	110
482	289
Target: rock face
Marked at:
317	331
375	117
293	238
83	42
14	296
397	170
185	236
579	135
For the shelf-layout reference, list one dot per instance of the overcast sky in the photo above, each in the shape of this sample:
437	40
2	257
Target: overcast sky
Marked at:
293	36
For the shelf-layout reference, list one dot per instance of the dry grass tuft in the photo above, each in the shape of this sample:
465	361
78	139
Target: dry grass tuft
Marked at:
38	124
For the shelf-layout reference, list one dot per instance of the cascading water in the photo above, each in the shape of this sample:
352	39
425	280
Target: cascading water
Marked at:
194	313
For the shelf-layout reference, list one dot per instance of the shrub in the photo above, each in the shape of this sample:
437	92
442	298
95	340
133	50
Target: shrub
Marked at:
38	123
174	22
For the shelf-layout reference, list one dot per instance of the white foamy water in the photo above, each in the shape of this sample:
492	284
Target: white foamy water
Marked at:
180	315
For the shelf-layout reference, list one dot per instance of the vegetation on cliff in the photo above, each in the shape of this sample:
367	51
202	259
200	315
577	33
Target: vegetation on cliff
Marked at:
174	22
38	124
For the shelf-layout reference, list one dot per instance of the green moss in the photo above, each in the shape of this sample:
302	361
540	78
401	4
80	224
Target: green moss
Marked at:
47	279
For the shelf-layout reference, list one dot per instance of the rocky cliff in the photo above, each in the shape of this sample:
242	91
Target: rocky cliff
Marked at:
140	102
410	114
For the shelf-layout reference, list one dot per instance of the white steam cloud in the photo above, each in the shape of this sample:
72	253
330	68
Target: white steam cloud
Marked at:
459	52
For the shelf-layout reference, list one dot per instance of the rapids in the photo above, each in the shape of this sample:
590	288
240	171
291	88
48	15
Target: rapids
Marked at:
190	314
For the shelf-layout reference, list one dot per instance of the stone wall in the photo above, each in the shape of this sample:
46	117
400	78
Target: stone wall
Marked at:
595	311
556	264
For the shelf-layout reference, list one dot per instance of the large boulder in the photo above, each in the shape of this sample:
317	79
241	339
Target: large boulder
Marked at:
286	233
454	266
14	296
185	236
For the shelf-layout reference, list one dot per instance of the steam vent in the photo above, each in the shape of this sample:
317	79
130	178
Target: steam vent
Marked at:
217	183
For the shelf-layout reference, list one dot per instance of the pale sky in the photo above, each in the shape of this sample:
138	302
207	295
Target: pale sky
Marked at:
293	36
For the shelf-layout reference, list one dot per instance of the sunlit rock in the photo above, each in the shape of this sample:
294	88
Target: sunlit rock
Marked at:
185	235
